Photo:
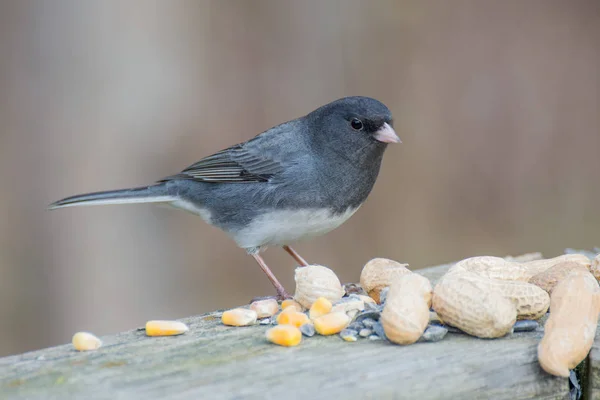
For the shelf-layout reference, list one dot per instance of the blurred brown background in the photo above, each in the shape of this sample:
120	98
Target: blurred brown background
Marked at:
497	103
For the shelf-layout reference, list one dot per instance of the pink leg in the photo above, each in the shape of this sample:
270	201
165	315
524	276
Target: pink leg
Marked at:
296	256
281	293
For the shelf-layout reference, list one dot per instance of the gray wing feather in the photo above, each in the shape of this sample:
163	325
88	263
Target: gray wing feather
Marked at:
252	161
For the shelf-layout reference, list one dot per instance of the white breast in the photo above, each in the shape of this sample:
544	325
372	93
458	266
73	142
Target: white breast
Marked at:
287	226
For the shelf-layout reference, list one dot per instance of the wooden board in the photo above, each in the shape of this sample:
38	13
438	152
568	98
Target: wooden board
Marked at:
592	387
217	362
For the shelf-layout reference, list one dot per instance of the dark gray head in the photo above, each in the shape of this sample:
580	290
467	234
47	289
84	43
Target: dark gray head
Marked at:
353	123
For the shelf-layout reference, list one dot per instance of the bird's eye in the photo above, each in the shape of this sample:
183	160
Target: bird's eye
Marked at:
356	124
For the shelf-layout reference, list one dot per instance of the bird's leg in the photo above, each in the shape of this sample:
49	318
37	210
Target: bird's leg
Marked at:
295	255
281	293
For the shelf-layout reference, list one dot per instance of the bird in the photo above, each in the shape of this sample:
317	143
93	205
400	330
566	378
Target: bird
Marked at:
297	180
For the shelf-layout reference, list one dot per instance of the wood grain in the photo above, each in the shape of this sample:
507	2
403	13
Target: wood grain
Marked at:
217	362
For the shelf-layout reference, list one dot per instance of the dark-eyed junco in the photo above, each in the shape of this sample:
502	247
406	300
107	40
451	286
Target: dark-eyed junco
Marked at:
299	179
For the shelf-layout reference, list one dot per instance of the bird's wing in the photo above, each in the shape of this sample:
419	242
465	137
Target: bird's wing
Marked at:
236	164
257	160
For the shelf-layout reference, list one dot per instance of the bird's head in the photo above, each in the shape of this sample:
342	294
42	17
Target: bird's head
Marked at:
360	120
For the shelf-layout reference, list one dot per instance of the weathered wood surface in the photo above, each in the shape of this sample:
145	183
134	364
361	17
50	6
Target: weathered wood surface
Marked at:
592	387
217	362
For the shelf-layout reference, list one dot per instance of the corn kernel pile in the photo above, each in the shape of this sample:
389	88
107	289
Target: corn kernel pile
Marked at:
328	313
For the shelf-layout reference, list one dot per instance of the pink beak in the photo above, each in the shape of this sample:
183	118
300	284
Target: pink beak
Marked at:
386	134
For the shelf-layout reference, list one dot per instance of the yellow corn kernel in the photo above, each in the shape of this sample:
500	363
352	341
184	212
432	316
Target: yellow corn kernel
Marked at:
291	303
286	312
320	307
284	335
239	317
83	341
165	328
265	308
290	316
331	323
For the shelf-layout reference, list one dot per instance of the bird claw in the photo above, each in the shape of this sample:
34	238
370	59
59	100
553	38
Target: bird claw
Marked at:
278	297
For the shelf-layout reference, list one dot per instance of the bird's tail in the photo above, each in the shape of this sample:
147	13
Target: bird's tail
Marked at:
146	194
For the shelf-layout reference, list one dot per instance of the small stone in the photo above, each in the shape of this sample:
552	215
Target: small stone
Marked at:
345	299
365	332
265	321
348	305
451	329
374	315
374	337
383	295
575	391
433	317
434	333
353	288
349	335
41	358
368	322
308	330
357	326
378	329
526	325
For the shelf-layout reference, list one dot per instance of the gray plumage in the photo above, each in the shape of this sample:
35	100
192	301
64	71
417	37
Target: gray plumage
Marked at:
298	179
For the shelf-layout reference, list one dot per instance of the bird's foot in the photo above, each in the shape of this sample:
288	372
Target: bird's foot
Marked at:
301	261
281	293
284	296
279	297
